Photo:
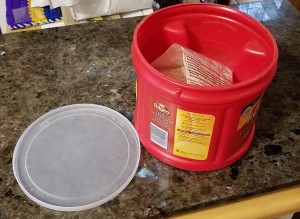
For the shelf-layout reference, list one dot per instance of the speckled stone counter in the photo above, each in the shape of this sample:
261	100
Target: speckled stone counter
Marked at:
90	63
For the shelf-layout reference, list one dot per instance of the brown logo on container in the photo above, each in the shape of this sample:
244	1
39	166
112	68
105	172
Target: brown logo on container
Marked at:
162	108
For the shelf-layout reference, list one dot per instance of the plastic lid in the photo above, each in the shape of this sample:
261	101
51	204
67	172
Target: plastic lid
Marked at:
76	157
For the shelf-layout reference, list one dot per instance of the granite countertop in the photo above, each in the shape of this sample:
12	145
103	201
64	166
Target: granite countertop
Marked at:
90	63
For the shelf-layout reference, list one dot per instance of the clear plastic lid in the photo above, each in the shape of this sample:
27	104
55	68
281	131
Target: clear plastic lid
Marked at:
76	157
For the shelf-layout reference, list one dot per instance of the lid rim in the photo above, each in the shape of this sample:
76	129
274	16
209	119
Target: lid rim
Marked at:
133	152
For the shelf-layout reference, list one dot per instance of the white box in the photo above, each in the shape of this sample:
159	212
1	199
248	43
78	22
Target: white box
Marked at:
95	8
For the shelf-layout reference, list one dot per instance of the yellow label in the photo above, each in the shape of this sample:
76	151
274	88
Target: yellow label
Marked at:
136	89
193	132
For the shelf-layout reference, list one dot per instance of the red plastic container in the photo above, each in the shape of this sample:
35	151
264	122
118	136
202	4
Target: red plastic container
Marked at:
192	127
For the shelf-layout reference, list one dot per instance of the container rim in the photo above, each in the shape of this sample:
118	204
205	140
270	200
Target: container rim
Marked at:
233	86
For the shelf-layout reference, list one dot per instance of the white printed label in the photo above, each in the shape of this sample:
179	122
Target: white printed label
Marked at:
158	136
203	71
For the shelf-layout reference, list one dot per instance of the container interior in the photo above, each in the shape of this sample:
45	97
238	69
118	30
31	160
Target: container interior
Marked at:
218	32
